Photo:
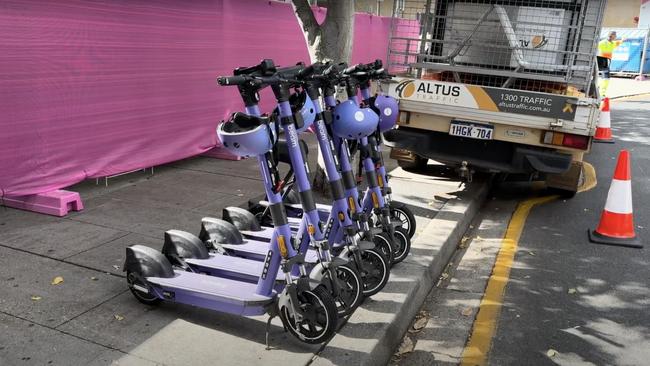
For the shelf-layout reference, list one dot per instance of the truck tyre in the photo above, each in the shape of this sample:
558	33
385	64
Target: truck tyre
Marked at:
567	185
418	164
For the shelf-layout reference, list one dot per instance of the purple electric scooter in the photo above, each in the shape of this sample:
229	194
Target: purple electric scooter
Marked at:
305	307
229	247
373	201
388	110
341	231
343	126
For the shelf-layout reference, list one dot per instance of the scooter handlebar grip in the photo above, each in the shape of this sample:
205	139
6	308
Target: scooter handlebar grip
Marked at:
232	80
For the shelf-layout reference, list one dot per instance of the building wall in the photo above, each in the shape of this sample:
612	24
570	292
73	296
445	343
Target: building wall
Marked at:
370	6
621	13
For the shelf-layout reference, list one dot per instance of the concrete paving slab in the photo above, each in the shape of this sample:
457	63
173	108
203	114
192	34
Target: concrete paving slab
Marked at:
180	195
91	187
146	218
213	208
117	358
176	334
25	343
202	182
109	257
51	236
246	168
28	292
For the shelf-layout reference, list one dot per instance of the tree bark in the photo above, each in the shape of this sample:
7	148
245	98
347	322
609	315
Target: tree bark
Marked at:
329	41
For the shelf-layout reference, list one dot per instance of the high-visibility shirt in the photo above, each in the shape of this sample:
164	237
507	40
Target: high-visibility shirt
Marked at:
606	47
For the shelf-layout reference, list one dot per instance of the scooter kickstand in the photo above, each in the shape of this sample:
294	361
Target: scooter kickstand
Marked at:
268	329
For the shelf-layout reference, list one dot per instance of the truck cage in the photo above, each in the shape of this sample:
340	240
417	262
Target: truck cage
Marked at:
535	45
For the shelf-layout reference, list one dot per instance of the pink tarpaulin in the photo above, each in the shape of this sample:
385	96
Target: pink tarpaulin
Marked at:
91	89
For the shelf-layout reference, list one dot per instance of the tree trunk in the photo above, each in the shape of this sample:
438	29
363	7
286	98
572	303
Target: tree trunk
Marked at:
330	41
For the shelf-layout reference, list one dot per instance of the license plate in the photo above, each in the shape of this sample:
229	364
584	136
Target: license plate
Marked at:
471	130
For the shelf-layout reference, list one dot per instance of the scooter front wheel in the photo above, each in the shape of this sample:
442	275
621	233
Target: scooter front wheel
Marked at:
401	212
384	246
402	245
350	290
140	289
320	318
375	271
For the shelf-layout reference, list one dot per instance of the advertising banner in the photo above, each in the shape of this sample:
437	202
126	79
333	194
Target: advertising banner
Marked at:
485	98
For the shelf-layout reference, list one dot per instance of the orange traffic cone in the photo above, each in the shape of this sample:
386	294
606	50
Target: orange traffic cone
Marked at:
604	129
616	225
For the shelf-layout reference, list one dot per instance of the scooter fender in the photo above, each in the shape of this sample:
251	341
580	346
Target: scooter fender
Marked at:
147	262
219	231
365	245
285	300
345	254
242	219
317	277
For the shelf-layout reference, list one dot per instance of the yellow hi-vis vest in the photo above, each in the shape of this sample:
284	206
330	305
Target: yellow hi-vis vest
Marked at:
606	48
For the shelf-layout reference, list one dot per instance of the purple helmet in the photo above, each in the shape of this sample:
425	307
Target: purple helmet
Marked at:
245	135
352	122
302	104
388	110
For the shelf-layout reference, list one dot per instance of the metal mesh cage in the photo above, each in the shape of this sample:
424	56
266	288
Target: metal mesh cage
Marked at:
536	45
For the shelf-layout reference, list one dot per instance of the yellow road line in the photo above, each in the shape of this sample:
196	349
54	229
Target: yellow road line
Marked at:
476	351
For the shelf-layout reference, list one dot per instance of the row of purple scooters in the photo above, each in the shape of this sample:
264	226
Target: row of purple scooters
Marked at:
290	256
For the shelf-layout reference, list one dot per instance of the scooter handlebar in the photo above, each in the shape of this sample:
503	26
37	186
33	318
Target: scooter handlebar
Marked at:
233	80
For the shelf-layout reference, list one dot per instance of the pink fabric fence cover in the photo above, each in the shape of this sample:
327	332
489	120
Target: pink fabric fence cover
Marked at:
94	88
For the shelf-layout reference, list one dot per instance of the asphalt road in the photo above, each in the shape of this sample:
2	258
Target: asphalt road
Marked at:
571	302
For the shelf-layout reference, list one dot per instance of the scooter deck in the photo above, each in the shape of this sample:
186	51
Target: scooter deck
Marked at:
238	267
215	293
319	206
254	250
267	232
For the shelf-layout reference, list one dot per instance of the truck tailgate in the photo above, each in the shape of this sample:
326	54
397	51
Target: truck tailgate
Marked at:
512	107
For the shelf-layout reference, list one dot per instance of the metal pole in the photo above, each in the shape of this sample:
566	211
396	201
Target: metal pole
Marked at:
643	54
424	27
390	35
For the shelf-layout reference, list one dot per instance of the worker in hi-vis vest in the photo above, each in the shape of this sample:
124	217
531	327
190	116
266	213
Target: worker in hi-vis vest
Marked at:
605	51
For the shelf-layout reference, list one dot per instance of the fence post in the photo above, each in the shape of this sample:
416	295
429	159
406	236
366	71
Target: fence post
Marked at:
644	52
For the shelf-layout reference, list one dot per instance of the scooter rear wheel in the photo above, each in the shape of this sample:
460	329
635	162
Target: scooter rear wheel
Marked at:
375	271
402	245
137	285
351	290
384	245
401	212
320	321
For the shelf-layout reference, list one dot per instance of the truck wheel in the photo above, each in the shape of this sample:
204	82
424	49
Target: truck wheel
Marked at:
567	185
416	165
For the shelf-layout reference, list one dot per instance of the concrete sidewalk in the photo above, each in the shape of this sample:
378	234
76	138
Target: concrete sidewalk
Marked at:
91	318
625	87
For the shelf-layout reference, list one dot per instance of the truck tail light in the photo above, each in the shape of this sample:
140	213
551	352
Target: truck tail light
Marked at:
566	139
